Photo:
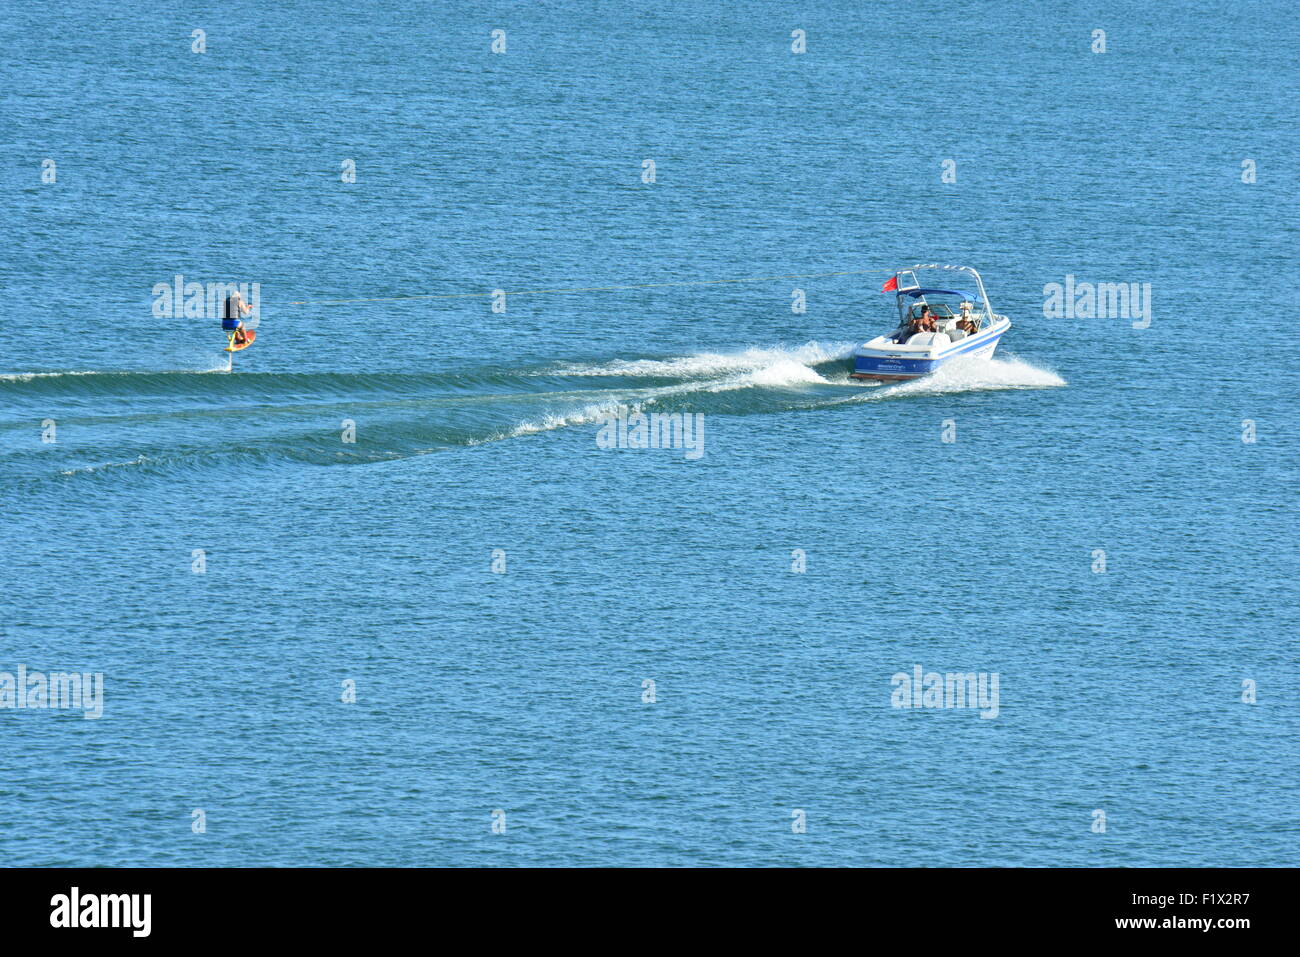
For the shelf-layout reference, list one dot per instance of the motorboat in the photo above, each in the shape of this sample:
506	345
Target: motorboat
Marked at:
937	323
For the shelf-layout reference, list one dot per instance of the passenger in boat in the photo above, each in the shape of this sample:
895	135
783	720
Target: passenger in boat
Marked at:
966	324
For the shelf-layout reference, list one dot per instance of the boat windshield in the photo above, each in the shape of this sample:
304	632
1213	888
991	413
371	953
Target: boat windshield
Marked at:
946	290
941	310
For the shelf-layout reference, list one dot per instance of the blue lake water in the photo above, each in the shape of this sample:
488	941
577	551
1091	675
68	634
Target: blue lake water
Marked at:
326	562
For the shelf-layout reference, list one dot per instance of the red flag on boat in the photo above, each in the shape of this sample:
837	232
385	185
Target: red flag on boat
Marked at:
891	286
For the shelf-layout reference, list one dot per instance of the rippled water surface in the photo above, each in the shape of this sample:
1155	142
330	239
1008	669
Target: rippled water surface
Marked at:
1079	516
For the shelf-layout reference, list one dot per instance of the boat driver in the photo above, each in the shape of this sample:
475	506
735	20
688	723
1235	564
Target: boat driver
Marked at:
922	323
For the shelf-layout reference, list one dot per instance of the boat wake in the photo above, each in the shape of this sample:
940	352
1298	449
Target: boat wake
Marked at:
707	365
162	421
974	375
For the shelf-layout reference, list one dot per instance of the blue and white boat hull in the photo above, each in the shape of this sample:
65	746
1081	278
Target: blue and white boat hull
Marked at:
884	360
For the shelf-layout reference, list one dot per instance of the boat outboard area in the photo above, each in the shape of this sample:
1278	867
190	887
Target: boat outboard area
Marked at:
943	313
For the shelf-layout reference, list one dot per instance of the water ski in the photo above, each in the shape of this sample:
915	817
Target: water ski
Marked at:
233	346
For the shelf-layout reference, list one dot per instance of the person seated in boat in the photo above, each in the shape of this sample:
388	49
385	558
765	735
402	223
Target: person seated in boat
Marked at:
965	323
922	323
910	328
232	313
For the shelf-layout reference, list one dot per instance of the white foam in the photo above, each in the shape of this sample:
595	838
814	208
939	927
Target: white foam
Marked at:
704	372
90	469
29	376
783	372
705	365
586	415
216	365
971	375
